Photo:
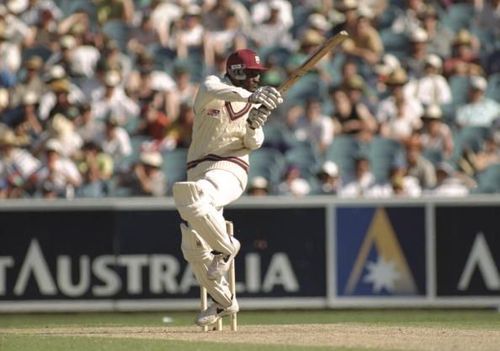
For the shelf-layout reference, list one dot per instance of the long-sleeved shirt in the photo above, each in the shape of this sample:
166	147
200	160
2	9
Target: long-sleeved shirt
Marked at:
222	138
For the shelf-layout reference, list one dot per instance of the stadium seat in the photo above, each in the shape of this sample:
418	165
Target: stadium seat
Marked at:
395	43
471	138
459	86
343	151
458	16
136	142
304	157
118	31
433	155
268	163
489	179
174	166
383	154
274	133
38	50
493	91
386	18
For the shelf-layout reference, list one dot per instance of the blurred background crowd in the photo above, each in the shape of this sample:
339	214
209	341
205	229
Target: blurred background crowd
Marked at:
96	95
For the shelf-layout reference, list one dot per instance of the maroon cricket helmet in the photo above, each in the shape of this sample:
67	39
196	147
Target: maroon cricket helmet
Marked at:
240	61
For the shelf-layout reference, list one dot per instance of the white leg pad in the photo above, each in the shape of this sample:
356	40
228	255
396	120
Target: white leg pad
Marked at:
196	208
199	255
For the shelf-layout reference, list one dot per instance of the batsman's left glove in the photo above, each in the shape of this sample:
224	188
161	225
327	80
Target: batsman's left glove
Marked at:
258	117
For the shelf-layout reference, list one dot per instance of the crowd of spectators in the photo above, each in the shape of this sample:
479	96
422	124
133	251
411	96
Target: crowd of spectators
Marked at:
96	95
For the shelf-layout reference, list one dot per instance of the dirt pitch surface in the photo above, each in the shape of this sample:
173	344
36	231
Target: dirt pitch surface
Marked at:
333	335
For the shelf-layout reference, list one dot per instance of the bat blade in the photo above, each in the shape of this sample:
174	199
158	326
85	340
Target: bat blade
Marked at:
313	60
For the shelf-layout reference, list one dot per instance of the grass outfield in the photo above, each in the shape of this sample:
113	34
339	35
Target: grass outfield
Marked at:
379	330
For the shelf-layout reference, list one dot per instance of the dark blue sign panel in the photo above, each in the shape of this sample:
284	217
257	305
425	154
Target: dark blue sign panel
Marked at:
380	251
125	254
468	250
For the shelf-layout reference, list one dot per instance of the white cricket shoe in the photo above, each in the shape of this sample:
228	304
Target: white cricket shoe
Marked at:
215	312
220	263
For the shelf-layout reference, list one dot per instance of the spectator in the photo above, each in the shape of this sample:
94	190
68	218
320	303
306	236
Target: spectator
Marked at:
399	115
260	11
487	16
328	178
62	129
40	8
464	59
365	42
10	53
488	155
178	134
61	95
217	10
272	32
418	53
187	37
383	69
480	111
402	183
143	37
435	135
120	10
153	123
293	183
431	88
418	166
17	165
28	125
31	82
440	38
58	176
112	99
313	126
96	168
182	93
408	21
147	177
230	37
114	140
363	180
448	185
360	121
258	186
86	125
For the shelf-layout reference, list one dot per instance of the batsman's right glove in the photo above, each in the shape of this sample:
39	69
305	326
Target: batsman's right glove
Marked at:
257	117
267	96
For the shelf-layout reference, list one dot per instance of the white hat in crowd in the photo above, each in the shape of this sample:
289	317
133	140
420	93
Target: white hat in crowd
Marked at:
330	168
53	145
151	158
388	64
433	111
419	35
479	83
17	6
259	182
434	61
112	78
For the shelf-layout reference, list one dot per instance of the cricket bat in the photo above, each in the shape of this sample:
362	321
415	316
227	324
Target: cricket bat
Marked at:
313	60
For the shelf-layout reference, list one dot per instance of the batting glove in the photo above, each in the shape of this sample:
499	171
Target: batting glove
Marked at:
267	96
258	117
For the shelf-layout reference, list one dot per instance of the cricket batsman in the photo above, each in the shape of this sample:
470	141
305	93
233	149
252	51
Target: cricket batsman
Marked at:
229	115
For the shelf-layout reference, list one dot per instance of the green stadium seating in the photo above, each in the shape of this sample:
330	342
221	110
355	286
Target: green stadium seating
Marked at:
174	166
268	163
489	179
383	154
343	151
458	16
